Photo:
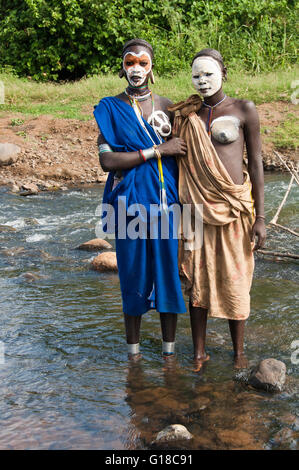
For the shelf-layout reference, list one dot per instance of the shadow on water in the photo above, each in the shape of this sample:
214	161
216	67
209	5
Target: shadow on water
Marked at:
66	382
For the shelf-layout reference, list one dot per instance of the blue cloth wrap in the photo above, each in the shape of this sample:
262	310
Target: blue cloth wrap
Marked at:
148	268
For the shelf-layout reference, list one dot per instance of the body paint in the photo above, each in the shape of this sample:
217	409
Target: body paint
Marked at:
206	76
160	122
225	129
137	73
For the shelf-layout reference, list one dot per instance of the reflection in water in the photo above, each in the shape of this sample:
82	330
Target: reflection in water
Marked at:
66	382
225	415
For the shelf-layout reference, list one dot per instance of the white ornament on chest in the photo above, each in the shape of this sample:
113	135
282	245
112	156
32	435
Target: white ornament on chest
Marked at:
160	122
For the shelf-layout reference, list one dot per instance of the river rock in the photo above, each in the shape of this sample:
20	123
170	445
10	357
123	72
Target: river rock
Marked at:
105	262
30	221
8	153
29	189
269	375
101	178
31	277
14	251
96	244
14	188
7	228
174	432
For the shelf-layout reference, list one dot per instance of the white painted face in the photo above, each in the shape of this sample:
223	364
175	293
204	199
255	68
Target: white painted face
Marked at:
206	76
137	67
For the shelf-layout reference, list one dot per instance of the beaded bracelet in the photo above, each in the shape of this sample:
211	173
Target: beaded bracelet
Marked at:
260	217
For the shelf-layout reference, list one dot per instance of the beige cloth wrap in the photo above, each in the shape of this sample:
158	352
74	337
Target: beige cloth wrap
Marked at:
218	275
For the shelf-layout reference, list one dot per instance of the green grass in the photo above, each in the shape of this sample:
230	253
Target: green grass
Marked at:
285	135
75	99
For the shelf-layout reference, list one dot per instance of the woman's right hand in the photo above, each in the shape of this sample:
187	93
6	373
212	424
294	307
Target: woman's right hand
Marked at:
175	147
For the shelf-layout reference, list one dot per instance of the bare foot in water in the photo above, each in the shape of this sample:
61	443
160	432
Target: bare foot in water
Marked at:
134	357
169	361
240	361
198	362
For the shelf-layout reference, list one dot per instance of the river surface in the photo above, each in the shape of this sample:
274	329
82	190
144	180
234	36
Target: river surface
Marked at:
65	380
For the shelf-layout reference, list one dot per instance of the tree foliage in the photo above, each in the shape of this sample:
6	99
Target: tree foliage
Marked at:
61	39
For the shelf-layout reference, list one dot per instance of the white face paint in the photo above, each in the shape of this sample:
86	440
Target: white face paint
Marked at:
206	76
137	67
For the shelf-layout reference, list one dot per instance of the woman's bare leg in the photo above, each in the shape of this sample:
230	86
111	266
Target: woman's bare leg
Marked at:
199	317
237	328
168	328
132	326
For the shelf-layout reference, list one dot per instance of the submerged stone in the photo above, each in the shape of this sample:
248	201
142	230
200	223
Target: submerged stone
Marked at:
174	432
7	228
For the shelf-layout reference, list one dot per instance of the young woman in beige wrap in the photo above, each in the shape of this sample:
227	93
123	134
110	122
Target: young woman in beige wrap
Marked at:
218	274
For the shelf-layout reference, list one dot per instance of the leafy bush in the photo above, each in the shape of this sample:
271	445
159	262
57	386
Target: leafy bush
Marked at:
68	39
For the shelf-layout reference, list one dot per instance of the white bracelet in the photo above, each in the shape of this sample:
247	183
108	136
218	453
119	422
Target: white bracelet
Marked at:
105	148
149	153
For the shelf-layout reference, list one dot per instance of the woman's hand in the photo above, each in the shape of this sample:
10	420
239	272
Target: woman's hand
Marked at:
175	147
259	231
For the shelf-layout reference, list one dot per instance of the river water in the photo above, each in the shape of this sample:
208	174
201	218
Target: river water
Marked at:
65	381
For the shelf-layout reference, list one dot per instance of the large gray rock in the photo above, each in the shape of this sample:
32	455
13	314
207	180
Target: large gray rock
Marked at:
174	432
269	375
8	153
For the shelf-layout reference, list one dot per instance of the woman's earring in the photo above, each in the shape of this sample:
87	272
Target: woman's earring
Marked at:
121	73
151	76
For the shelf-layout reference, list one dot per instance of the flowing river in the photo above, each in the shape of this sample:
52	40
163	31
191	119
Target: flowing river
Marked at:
65	380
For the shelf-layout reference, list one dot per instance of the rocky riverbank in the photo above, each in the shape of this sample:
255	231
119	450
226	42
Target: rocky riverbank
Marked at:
57	153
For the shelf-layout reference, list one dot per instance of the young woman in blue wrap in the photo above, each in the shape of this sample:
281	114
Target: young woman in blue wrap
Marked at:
133	127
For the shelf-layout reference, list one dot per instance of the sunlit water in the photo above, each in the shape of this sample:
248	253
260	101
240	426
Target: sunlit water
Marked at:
66	382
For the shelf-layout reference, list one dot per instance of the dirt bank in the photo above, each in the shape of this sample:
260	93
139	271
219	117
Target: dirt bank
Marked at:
61	152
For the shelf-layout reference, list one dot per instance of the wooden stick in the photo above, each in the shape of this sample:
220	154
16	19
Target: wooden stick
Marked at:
274	220
279	254
288	167
282	227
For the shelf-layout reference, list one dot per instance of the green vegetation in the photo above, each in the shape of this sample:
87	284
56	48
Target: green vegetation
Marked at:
17	122
69	39
286	134
75	99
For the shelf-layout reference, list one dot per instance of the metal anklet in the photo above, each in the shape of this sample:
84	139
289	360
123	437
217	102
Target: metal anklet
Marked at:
168	347
133	348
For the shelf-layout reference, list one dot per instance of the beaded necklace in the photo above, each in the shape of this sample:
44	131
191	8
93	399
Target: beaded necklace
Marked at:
138	111
138	97
134	101
209	120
